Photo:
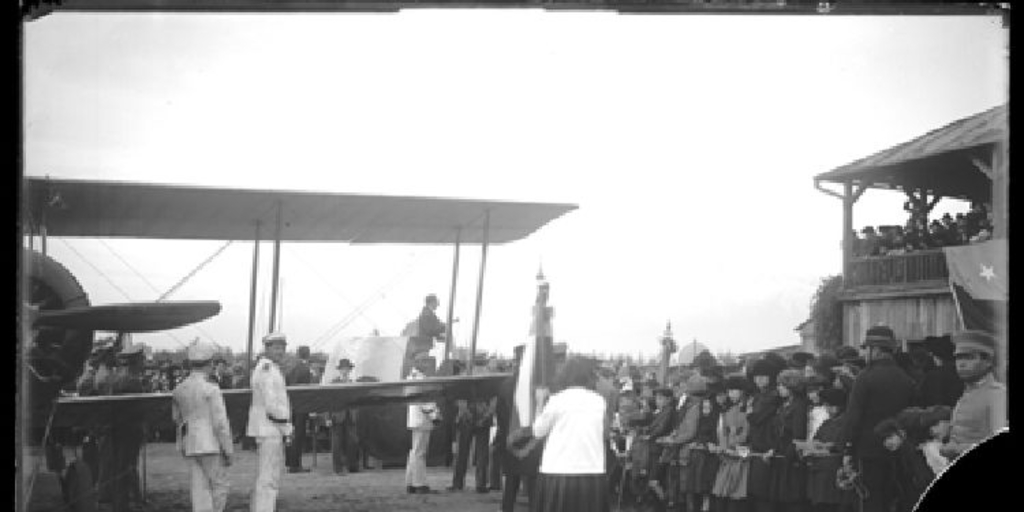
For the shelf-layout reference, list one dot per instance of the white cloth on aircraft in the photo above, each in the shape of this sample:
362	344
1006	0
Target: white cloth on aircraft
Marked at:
198	405
416	465
270	454
269	400
209	483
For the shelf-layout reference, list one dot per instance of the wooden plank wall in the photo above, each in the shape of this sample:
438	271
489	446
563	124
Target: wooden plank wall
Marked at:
911	318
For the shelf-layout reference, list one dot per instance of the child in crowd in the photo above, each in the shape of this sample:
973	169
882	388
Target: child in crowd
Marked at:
911	471
788	477
703	462
824	458
731	479
816	412
937	423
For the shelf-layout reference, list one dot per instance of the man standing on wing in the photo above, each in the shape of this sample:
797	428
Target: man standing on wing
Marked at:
204	434
269	422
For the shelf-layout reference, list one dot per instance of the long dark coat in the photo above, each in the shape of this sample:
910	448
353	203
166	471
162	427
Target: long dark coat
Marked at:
788	477
880	391
761	438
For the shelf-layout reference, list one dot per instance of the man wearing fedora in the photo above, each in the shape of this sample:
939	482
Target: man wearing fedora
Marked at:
204	434
344	443
981	411
879	391
269	422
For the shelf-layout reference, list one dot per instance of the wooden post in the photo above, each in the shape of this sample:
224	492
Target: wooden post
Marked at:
848	199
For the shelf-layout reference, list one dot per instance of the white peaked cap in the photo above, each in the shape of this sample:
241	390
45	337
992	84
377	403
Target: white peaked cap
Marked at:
201	351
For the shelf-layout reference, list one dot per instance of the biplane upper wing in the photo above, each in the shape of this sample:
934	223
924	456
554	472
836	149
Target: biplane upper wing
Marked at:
155	408
110	209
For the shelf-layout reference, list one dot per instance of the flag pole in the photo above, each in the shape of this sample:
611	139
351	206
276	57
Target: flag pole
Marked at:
956	305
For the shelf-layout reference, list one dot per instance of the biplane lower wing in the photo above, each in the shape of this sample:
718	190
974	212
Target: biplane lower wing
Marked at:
155	408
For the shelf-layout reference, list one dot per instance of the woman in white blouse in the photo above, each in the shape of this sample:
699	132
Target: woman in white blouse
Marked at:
572	468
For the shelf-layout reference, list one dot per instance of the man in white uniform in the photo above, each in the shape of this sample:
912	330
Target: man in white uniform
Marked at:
204	434
420	422
269	422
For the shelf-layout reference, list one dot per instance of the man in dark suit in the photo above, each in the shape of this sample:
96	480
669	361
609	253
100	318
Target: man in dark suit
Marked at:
428	327
344	440
880	391
298	374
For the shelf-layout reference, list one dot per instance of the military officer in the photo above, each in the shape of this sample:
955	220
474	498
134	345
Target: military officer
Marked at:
981	411
269	422
204	434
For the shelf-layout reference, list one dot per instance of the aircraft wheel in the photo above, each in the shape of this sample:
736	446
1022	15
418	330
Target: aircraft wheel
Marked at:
77	487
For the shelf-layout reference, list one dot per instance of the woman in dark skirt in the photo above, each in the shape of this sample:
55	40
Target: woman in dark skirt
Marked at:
572	469
704	460
761	437
788	476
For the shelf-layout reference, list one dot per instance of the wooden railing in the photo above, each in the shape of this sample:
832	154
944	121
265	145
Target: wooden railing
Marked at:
929	265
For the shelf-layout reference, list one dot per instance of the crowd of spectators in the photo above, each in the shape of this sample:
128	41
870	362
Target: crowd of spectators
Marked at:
919	234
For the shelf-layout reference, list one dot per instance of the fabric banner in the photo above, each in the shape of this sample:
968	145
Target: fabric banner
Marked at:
536	368
380	357
979	269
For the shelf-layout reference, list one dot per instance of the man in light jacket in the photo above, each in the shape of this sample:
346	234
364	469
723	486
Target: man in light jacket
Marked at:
204	434
269	422
420	422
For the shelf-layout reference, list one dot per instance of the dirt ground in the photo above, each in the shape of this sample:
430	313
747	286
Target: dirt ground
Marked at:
320	490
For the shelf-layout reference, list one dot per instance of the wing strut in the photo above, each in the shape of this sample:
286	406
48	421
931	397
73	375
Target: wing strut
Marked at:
252	296
479	291
277	266
451	297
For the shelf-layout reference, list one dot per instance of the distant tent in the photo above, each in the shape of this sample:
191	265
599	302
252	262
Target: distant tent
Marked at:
687	351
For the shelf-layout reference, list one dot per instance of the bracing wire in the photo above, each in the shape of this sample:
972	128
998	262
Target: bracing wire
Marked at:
338	327
194	271
110	281
155	290
325	281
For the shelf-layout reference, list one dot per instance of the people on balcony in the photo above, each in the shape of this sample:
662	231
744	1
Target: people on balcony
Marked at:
918	234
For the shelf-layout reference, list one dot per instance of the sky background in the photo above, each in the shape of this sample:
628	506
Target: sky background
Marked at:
688	142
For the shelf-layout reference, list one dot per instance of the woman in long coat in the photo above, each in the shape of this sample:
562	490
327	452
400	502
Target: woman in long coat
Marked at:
761	410
788	476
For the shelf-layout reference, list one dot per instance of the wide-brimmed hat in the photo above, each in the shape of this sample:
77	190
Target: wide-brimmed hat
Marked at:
737	381
880	336
345	363
792	379
763	367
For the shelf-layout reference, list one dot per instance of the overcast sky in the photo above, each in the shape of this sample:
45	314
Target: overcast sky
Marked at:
688	142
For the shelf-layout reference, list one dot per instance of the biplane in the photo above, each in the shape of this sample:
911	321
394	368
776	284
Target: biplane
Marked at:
57	321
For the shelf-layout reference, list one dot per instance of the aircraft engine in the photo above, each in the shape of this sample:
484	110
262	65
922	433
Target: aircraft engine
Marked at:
56	355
